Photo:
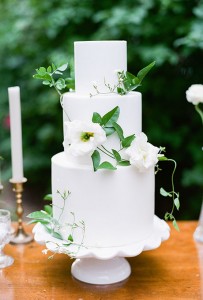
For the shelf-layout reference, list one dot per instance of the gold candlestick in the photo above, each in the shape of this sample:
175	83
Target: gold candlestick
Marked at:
20	236
1	188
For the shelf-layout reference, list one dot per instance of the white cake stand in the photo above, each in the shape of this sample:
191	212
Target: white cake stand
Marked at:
104	265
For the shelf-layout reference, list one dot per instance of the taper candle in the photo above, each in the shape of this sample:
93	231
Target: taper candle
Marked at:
16	134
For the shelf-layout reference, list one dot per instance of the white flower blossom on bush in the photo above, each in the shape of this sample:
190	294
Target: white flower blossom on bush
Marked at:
142	154
82	138
195	94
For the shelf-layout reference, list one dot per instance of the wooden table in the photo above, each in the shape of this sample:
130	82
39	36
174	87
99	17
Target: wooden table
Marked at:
173	271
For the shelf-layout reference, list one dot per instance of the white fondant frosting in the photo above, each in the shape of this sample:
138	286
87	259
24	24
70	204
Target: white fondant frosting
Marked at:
116	206
96	62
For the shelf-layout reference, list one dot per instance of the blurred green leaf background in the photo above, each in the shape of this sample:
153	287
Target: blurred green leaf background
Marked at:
35	33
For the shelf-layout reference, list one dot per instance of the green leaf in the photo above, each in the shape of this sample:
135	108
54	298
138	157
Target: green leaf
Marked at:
57	235
131	82
46	82
119	131
70	238
48	197
126	142
162	158
49	69
48	209
44	222
167	216
106	165
124	163
70	83
164	193
116	155
63	67
39	215
121	91
175	225
41	71
109	130
95	159
177	203
143	72
60	84
96	118
112	116
53	67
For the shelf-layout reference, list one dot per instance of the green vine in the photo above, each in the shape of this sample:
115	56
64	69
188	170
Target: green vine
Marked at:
53	226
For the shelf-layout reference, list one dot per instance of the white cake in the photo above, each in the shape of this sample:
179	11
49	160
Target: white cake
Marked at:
117	207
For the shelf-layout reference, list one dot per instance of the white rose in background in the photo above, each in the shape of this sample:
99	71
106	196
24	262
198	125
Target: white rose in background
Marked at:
142	154
195	95
82	138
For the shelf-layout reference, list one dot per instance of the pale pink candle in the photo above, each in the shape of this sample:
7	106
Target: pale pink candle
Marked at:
16	134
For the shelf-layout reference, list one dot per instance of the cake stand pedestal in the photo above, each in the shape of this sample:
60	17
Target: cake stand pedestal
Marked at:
96	271
99	265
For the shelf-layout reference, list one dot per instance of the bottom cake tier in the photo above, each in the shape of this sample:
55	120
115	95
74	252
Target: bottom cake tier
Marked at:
117	207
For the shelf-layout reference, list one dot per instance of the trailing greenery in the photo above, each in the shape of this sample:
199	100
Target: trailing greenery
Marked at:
53	226
38	32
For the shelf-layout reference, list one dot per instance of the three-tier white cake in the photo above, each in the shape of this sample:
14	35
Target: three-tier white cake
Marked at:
117	207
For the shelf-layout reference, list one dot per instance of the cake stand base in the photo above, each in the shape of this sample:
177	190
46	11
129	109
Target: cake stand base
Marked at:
96	271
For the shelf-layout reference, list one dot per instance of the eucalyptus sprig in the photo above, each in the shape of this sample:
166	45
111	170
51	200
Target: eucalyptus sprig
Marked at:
109	123
126	82
53	226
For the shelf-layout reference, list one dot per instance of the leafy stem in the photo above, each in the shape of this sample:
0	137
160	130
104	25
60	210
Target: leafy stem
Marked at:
174	195
53	77
53	226
126	82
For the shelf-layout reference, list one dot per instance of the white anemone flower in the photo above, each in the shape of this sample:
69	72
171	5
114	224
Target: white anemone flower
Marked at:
82	138
142	154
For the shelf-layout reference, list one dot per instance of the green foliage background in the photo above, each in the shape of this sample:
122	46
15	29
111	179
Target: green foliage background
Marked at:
35	33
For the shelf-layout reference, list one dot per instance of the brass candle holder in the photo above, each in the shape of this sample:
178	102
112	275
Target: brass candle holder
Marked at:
19	236
1	188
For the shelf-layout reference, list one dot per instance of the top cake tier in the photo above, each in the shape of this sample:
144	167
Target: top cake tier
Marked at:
97	63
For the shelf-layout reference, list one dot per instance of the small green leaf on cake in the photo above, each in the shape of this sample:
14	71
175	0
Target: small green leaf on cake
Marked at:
116	155
70	238
119	131
126	142
121	91
106	165
109	130
124	163
112	116
95	159
96	118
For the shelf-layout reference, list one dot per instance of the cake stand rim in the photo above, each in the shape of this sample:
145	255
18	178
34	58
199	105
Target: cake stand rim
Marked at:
160	233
